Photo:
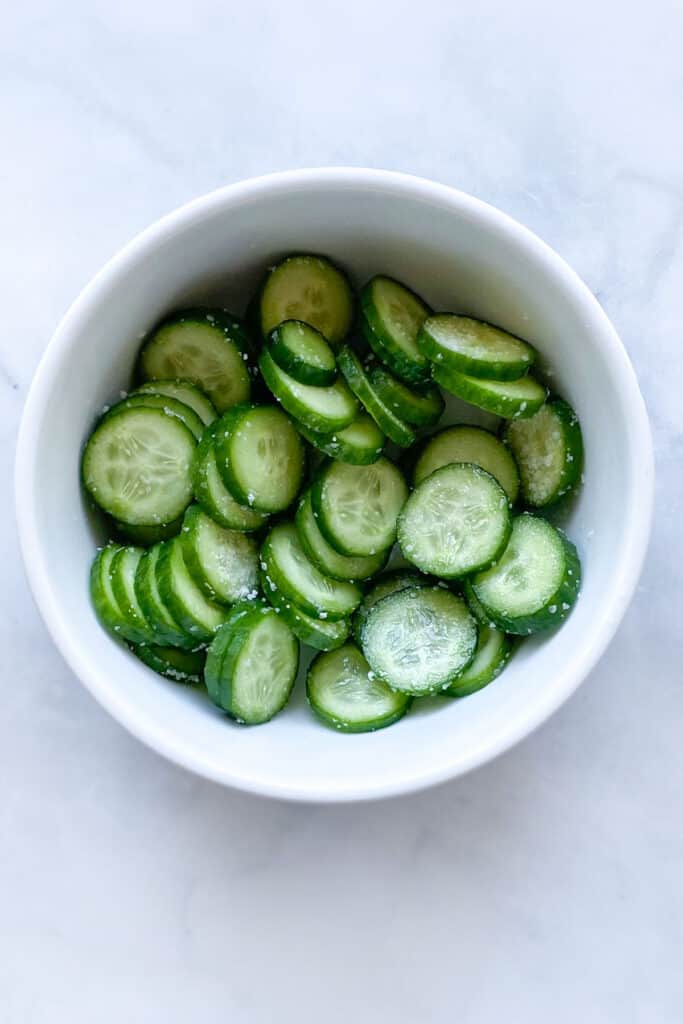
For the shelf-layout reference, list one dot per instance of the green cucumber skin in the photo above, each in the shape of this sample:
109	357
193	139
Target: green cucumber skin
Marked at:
305	627
573	439
203	406
482	368
466	388
374	565
166	630
331	445
275	577
171	406
246	520
144	536
475	605
220	642
423	408
134	616
187	622
188	535
106	609
160	660
299	410
464	686
295	366
384	347
342	725
357	379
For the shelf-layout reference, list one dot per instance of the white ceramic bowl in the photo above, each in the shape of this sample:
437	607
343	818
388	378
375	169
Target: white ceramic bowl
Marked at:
460	254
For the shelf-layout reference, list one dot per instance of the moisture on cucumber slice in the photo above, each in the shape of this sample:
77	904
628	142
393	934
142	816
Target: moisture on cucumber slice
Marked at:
303	353
208	347
258	668
391	319
288	568
361	443
511	399
185	391
171	406
212	494
388	583
345	693
137	466
104	602
194	612
548	448
474	347
260	457
419	640
388	422
322	634
469	444
322	409
223	563
455	522
324	556
357	507
166	629
490	658
122	572
421	405
185	667
308	288
535	583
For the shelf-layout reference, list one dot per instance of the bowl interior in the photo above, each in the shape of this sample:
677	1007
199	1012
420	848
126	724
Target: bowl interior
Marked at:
459	255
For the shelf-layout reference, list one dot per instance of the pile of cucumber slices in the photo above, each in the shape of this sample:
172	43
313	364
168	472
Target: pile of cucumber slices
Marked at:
255	488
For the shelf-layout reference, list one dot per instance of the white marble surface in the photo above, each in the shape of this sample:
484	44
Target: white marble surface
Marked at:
544	887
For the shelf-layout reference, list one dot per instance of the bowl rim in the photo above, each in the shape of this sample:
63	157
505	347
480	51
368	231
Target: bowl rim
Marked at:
639	444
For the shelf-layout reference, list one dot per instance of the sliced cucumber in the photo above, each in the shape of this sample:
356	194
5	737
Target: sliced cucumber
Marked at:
105	603
388	583
220	643
181	666
361	443
260	457
344	693
357	506
391	319
322	409
421	405
166	629
388	422
213	495
258	668
476	607
469	444
474	347
536	582
511	399
548	448
122	573
288	568
137	466
145	536
324	556
419	640
322	634
196	614
208	347
223	563
185	391
171	406
490	658
308	288
303	353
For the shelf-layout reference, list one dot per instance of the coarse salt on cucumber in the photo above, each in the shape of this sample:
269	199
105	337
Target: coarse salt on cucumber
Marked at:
344	693
391	317
469	444
303	353
224	563
321	634
185	667
474	347
548	448
388	583
511	399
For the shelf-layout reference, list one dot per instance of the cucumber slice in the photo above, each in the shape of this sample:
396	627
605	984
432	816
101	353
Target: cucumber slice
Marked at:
359	382
208	347
512	399
287	567
220	643
303	353
420	405
322	634
260	457
184	391
361	443
171	406
223	563
181	666
166	629
455	522
145	536
490	658
137	466
391	317
308	288
122	573
474	347
321	409
476	607
344	692
196	614
388	583
419	640
469	444
548	448
103	599
212	494
357	506
536	582
258	668
324	556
